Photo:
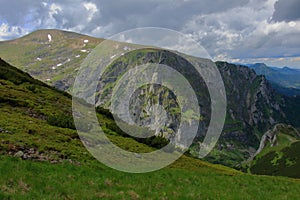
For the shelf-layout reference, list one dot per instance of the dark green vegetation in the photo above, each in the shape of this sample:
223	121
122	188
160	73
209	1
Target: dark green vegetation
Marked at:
291	92
283	162
154	141
292	108
285	80
280	155
61	120
26	133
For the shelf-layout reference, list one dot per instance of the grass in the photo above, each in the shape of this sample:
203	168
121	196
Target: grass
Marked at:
284	162
24	53
230	157
37	180
282	159
285	141
25	107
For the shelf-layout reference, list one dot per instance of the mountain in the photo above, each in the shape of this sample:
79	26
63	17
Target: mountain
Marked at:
285	80
278	153
41	156
51	56
292	92
253	106
259	107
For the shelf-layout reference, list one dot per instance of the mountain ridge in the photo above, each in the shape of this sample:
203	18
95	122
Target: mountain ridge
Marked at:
277	154
260	106
285	80
47	59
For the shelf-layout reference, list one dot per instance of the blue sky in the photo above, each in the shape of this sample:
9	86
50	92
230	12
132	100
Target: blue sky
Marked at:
244	31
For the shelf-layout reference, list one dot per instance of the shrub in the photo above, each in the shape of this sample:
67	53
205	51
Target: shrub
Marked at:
104	112
61	120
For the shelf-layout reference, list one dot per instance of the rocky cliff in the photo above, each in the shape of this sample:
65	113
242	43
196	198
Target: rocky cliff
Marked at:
253	106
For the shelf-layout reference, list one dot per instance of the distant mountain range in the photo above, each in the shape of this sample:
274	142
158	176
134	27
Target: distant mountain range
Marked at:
285	80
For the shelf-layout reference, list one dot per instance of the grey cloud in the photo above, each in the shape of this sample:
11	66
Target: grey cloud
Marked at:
245	33
14	12
118	15
168	14
286	10
232	27
272	46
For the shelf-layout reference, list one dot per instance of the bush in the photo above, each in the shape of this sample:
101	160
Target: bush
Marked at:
61	120
154	141
105	112
32	88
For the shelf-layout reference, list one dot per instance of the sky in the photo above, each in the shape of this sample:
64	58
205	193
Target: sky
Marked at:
239	31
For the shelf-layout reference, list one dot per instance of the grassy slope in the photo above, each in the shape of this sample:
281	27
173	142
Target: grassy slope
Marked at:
33	180
34	53
281	159
24	107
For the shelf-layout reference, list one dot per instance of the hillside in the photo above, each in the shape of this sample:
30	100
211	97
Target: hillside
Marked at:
51	56
43	161
278	153
253	106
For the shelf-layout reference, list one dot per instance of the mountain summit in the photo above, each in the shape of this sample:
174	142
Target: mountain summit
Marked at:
52	56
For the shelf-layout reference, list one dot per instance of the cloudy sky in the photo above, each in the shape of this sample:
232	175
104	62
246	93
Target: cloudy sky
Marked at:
244	31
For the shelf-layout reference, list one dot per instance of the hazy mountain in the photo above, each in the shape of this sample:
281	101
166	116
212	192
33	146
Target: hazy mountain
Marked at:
285	80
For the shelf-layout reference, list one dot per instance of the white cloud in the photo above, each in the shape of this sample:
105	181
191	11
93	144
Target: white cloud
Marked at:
7	31
55	9
245	32
232	29
292	24
91	8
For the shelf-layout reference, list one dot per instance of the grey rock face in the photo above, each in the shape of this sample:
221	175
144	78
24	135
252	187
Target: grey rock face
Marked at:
253	106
